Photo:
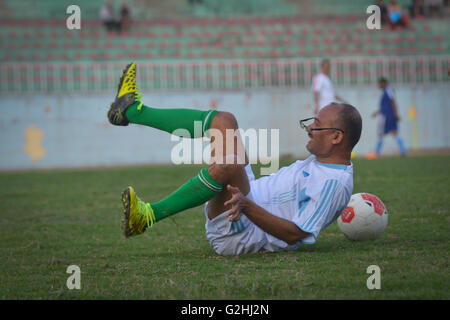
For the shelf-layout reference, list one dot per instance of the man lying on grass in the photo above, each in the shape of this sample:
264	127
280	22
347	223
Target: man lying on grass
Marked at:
244	214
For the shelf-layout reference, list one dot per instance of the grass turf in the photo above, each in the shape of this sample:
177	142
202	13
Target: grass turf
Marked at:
53	219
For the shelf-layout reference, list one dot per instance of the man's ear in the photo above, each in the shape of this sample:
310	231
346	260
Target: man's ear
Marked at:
338	137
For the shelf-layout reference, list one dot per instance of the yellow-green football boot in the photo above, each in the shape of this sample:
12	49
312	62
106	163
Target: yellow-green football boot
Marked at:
138	215
127	95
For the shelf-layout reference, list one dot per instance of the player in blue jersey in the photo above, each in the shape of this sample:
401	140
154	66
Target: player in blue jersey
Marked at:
390	118
243	214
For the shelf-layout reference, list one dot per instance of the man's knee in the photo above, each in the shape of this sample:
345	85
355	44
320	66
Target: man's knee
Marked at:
224	120
224	172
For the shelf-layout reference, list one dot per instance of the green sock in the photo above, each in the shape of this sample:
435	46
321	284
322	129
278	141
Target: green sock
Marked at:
193	193
170	120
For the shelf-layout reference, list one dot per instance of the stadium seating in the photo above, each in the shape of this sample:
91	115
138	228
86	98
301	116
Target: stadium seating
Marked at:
269	38
221	31
151	9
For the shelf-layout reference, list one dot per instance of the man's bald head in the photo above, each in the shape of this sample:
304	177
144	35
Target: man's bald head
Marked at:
348	119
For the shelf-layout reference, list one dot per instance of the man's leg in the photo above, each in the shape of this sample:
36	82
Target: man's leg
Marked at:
170	120
400	143
127	108
227	168
383	130
208	185
379	145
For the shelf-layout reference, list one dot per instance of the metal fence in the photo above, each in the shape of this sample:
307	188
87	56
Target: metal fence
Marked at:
219	74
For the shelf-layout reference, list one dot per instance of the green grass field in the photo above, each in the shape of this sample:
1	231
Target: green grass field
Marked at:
53	219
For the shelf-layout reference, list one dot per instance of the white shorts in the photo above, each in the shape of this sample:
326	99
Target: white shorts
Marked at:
233	238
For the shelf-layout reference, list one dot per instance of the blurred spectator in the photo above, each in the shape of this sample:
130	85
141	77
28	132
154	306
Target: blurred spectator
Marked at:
434	7
125	19
108	17
417	9
383	11
397	19
323	90
390	118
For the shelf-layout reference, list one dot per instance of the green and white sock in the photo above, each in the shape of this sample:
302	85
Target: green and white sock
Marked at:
170	120
193	193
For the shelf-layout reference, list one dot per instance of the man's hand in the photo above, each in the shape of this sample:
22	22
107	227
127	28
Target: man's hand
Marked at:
278	227
238	203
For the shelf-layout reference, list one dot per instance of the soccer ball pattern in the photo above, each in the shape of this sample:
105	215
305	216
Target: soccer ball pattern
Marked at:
364	218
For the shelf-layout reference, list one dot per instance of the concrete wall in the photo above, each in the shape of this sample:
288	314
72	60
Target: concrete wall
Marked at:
46	131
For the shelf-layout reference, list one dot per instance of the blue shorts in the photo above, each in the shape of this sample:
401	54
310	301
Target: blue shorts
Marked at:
390	124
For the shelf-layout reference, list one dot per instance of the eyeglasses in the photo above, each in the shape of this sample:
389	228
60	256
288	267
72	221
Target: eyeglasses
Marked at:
305	126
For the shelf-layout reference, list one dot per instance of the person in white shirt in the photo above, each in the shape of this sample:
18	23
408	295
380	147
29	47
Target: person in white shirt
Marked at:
291	207
323	89
243	214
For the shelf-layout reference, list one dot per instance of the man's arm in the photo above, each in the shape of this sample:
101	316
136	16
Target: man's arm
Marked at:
316	102
316	86
391	96
394	107
278	227
341	99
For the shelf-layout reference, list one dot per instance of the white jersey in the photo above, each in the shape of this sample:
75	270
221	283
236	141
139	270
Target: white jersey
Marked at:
321	83
309	193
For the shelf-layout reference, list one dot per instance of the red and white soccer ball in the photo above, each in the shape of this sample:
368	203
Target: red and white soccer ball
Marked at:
365	217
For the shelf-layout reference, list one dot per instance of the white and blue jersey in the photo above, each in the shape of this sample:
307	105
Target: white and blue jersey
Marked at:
309	193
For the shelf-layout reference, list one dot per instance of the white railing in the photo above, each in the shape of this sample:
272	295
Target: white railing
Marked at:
219	74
